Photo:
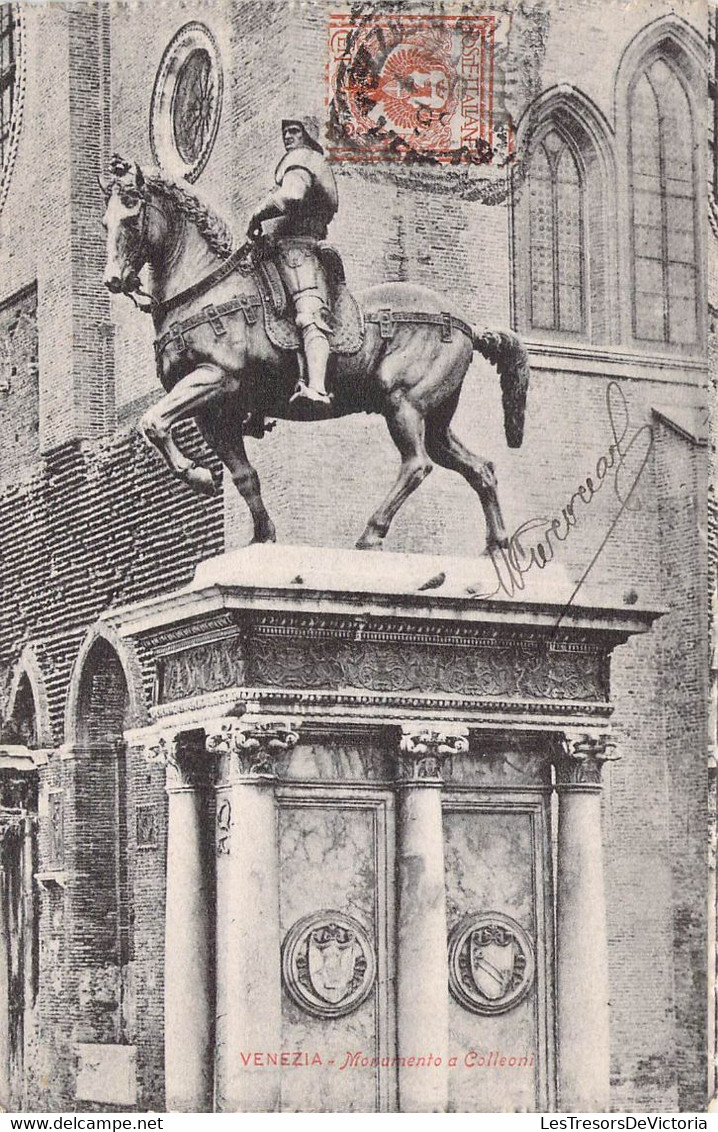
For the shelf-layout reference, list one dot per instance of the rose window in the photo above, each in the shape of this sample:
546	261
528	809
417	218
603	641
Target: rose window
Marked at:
186	103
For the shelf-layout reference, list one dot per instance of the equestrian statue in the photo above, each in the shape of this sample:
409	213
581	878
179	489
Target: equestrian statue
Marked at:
270	330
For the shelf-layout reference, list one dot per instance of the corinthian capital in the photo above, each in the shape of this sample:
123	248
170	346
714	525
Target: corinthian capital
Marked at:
182	754
423	749
249	748
580	759
162	749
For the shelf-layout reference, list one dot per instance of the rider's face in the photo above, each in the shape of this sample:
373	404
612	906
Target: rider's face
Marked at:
293	136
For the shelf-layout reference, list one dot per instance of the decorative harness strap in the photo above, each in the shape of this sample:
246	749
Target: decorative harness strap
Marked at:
387	320
225	269
212	314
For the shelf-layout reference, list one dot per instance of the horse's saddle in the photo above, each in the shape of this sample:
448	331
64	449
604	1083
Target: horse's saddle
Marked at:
346	318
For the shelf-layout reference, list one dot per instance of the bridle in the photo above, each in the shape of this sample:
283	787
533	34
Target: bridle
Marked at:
146	203
244	260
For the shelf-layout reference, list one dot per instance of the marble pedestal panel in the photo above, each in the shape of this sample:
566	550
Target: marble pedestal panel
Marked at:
383	757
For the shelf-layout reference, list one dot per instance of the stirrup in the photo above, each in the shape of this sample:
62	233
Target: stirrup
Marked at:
305	392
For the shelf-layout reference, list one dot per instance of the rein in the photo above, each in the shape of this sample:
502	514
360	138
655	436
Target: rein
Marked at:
230	265
160	309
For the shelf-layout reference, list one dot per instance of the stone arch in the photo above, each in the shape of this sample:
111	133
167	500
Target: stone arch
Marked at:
671	42
136	714
564	116
671	35
566	102
105	699
28	700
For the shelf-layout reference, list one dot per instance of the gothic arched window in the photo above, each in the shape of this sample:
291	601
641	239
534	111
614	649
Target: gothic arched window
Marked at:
8	68
563	221
556	219
663	198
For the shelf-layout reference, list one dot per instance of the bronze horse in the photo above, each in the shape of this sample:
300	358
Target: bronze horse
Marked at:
228	375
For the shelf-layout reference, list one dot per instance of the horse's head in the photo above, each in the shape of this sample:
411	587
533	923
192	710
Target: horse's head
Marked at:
126	224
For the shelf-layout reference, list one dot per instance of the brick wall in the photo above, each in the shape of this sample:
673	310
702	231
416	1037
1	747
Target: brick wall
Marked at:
98	525
19	408
147	857
683	471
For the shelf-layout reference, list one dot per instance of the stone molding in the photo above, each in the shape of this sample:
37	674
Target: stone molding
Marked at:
389	702
219	626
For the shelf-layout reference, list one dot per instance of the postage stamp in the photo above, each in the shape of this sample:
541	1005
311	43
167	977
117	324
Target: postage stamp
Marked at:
410	87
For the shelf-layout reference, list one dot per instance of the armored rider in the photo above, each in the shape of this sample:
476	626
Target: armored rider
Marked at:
303	202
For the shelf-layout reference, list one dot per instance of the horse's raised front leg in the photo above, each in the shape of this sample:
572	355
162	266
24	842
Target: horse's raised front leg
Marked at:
406	426
198	389
222	429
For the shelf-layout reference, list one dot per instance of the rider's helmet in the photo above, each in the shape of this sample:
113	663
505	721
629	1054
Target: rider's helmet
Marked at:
310	129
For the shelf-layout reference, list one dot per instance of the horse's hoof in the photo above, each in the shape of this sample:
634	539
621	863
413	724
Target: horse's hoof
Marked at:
200	480
366	544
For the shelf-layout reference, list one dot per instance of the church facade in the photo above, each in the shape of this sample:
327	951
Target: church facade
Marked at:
554	783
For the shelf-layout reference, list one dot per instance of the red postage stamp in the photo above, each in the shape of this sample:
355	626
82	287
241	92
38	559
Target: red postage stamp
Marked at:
413	87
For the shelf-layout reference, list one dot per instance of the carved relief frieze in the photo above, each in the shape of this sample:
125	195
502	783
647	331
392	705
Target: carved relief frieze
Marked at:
56	844
423	749
493	667
202	668
224	825
328	964
491	963
147	823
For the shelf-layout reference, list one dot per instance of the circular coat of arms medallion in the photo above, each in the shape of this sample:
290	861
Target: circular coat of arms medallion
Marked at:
328	964
491	963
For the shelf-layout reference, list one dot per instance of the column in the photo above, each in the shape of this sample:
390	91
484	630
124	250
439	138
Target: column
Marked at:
8	828
248	939
29	944
422	960
189	993
581	945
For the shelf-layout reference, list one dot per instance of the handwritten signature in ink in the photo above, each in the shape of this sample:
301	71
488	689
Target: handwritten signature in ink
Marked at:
625	460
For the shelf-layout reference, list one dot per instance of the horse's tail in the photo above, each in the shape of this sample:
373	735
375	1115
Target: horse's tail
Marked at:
505	351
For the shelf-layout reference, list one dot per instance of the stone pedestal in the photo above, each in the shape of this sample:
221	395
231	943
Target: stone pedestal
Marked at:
383	892
189	989
582	993
248	940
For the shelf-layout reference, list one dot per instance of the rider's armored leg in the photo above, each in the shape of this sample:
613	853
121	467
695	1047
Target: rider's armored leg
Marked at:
311	310
304	278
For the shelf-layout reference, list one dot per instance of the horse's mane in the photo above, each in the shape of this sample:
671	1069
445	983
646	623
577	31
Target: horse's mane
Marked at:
208	224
